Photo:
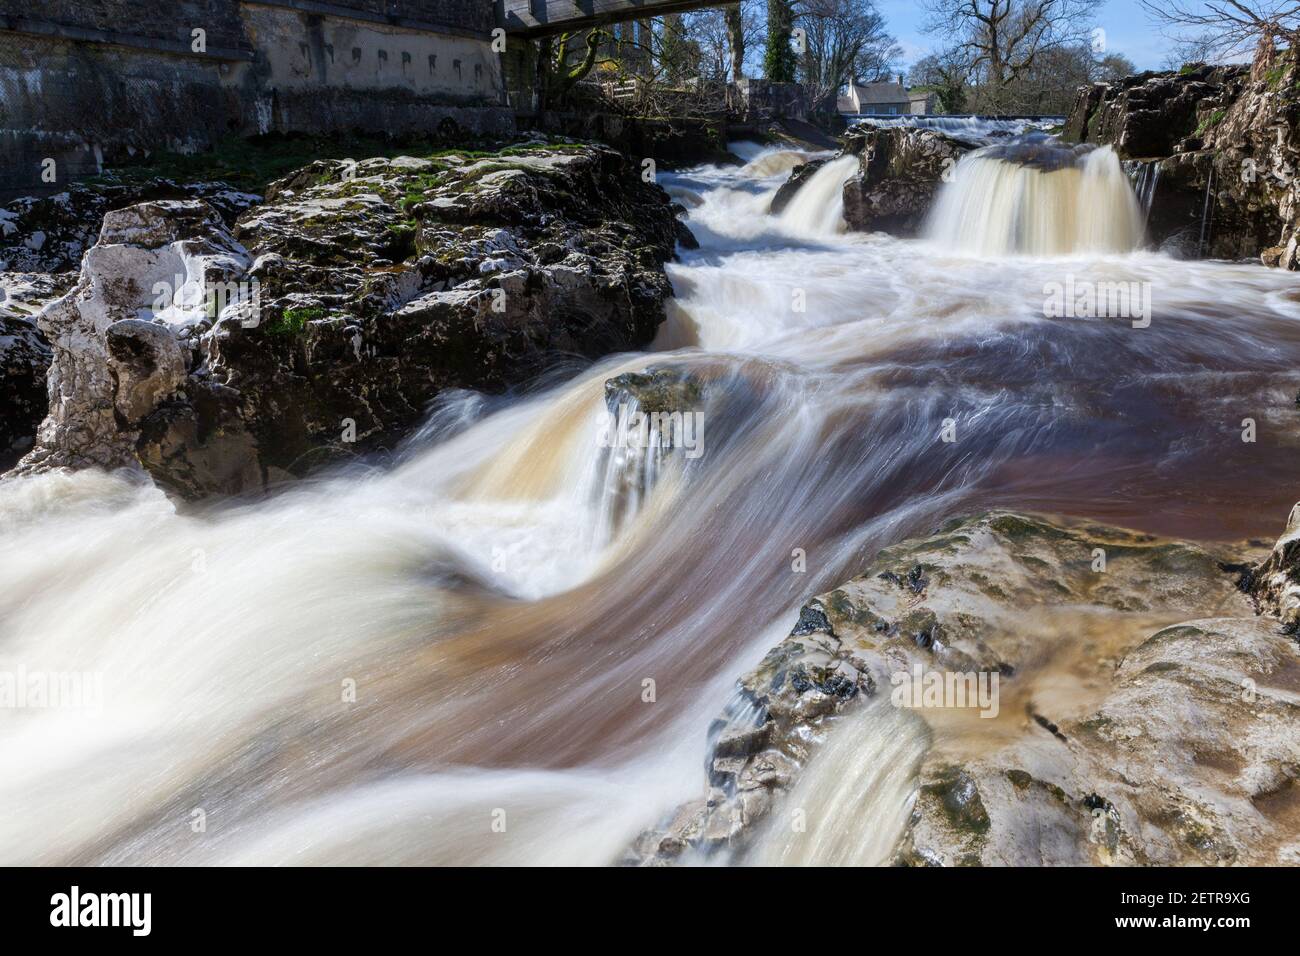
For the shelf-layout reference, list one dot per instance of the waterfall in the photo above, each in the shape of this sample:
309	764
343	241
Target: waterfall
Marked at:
818	207
1145	178
855	793
1037	199
775	163
361	667
1207	211
976	129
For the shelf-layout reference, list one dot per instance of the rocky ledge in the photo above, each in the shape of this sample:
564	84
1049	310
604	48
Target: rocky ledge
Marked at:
1214	151
222	359
1143	712
901	171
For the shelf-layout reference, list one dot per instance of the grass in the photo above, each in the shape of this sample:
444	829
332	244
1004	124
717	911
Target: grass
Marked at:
1214	119
293	321
253	164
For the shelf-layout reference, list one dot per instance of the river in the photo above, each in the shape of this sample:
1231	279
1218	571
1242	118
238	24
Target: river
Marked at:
484	652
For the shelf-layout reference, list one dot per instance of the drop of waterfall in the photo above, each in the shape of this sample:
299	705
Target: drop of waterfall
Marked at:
818	208
1038	199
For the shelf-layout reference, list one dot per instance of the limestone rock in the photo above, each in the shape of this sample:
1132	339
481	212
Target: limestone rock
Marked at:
1216	149
50	234
901	171
24	360
322	324
1276	582
799	177
1117	734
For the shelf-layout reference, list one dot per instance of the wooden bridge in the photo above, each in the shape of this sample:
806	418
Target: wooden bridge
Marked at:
539	18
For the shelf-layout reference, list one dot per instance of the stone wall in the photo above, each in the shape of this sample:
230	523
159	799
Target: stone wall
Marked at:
99	81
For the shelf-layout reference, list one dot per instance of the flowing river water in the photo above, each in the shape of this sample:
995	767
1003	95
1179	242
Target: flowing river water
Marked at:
445	659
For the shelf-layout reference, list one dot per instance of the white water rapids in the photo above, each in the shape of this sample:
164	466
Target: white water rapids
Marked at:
497	624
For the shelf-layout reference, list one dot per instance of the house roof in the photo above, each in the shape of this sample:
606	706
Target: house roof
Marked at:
881	93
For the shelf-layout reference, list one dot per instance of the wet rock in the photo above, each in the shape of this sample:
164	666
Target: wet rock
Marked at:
356	293
1175	742
1152	114
901	171
116	335
24	359
665	390
1276	582
147	365
1217	148
50	234
799	177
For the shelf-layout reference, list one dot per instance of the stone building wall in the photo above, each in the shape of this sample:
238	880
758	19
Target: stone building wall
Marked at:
87	82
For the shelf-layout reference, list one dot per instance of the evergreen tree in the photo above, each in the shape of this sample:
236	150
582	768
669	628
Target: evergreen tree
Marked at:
779	60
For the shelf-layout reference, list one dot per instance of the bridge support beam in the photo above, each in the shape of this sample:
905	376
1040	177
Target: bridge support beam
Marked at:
539	18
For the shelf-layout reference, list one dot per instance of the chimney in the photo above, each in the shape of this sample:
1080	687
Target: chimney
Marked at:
900	79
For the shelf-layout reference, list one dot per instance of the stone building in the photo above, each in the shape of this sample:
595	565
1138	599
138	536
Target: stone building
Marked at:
84	82
886	99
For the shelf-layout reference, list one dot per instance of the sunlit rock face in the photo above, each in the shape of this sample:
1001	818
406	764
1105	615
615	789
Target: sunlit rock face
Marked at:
117	338
1218	147
1127	706
351	297
1276	582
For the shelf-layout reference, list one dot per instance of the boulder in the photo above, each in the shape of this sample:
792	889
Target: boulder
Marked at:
323	323
50	234
901	171
1151	114
117	334
24	360
799	177
1276	582
1142	713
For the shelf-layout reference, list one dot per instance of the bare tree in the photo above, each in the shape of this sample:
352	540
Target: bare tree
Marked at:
725	37
1227	29
1113	67
568	60
1005	39
846	40
947	74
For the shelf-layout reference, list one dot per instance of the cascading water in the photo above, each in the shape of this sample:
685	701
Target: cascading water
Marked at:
817	209
373	665
974	129
1146	180
1037	199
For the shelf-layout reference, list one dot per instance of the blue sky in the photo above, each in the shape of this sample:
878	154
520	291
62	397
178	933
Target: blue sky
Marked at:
1128	31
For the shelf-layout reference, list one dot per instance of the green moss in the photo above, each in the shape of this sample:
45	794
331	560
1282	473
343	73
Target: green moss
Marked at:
293	321
1211	121
252	164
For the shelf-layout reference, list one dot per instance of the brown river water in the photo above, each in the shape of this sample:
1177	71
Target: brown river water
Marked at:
445	659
